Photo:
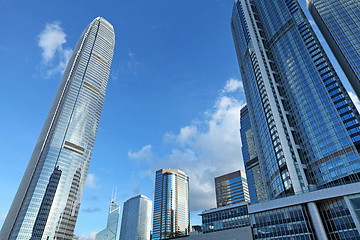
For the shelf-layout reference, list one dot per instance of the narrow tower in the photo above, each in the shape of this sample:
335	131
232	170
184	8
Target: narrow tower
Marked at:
171	204
48	199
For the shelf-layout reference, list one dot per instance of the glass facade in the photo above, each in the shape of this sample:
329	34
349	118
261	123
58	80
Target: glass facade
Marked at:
171	204
305	127
48	199
229	218
284	223
231	188
136	219
337	220
250	157
109	233
339	23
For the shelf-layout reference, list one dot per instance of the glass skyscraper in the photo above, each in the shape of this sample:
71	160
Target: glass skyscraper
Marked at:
109	233
339	22
171	204
305	127
250	157
47	202
231	188
136	219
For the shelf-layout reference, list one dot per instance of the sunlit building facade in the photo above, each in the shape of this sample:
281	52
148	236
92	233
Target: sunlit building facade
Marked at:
231	188
171	204
47	202
339	23
136	219
109	233
251	161
304	125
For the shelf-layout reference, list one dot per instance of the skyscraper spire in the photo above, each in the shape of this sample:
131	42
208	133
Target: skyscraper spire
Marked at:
48	199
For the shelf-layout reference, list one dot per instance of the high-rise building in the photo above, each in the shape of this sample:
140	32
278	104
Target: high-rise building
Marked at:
136	219
339	22
47	202
171	204
109	233
305	126
231	188
250	157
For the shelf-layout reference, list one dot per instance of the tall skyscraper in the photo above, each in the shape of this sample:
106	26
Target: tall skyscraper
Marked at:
339	22
171	204
305	126
109	233
48	199
251	160
136	219
231	188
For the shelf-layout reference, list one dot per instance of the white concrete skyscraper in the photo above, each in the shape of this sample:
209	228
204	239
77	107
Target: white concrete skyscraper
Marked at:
136	219
47	202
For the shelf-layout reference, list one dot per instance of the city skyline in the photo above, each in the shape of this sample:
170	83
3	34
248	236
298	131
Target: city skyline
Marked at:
142	143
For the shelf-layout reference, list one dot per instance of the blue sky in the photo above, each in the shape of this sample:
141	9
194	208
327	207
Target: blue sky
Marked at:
172	100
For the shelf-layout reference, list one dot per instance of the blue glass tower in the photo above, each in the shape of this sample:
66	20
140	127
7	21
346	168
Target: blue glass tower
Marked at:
305	127
47	202
339	22
231	188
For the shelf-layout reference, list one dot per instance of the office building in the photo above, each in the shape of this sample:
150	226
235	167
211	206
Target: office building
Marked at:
250	157
339	23
47	202
171	204
136	219
337	216
109	233
231	188
305	127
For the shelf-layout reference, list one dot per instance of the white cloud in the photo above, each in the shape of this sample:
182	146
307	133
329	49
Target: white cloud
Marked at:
355	100
91	181
54	55
90	236
205	149
145	154
232	85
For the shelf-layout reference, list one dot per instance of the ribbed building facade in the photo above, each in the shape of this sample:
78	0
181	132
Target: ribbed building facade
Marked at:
171	204
47	202
339	22
305	126
136	219
109	233
231	188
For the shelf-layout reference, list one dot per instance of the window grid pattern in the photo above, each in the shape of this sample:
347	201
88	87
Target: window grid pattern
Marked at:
221	220
54	179
337	220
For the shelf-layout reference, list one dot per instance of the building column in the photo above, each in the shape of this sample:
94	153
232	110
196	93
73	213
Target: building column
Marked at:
316	221
352	212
